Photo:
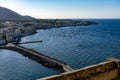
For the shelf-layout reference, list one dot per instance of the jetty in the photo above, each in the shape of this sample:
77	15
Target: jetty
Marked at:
28	42
38	57
108	70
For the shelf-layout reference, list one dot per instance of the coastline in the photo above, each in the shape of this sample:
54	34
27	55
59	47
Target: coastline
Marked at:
26	28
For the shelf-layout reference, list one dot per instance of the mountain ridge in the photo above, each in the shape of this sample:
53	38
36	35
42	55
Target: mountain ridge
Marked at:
7	14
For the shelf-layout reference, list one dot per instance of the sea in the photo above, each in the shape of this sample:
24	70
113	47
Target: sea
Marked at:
77	46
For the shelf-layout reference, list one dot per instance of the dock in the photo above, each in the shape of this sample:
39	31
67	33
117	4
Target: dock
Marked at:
28	42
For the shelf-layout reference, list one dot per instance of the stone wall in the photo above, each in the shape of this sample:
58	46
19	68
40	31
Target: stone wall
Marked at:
103	71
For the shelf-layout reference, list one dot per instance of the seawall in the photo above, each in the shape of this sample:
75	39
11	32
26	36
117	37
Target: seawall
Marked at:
39	57
109	70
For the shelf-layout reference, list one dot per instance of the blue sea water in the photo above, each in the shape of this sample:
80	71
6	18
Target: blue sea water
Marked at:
77	46
14	66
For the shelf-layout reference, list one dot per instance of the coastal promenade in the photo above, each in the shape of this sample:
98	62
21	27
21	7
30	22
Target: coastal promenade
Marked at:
39	57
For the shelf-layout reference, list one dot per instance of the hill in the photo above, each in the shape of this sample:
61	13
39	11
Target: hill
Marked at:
7	14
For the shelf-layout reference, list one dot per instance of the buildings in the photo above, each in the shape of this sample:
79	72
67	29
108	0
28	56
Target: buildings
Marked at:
15	30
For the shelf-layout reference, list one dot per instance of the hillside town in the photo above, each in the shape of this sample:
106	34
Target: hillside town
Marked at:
12	31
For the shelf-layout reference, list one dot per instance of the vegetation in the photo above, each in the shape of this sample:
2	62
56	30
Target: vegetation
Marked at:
2	26
52	22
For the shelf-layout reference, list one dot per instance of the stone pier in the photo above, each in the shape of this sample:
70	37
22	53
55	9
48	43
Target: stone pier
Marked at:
108	70
39	57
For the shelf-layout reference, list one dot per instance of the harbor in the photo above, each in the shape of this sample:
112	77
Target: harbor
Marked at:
74	46
59	40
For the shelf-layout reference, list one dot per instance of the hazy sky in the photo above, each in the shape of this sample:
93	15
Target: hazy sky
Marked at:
65	8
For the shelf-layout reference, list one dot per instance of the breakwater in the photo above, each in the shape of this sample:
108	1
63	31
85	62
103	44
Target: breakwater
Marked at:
39	57
109	70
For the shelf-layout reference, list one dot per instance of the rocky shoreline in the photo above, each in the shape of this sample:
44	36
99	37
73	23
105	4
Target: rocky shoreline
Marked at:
15	30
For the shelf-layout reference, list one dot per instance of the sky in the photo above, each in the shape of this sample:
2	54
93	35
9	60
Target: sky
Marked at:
65	8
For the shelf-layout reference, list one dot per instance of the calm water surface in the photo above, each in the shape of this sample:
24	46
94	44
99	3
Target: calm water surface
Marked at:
14	66
77	46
